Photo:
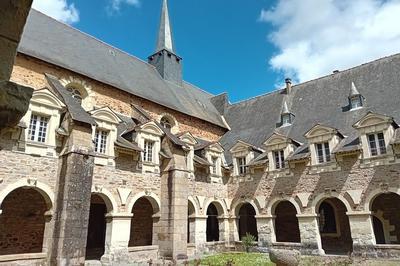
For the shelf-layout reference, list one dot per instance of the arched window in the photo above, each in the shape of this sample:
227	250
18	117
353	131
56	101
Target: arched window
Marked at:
166	122
76	94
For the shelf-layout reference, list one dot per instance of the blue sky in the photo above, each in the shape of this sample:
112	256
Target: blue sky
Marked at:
244	48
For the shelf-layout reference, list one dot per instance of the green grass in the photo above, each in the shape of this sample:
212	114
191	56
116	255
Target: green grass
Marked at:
245	259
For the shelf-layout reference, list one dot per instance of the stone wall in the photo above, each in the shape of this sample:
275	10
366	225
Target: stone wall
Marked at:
142	224
22	222
30	72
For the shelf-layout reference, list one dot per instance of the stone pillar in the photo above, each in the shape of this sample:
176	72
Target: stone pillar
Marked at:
117	238
198	231
13	16
72	203
266	230
223	222
362	233
233	230
309	234
172	235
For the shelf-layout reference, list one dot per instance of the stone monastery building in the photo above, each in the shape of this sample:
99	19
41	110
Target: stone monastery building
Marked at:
121	160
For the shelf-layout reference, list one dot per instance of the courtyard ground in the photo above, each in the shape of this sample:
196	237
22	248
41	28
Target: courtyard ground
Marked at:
260	259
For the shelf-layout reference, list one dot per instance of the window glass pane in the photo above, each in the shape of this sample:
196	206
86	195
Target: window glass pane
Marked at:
241	162
372	145
148	151
100	140
327	152
355	102
320	153
32	127
279	159
382	144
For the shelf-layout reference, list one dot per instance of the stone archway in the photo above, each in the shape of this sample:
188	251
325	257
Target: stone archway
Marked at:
142	223
212	230
191	233
23	222
96	237
334	227
286	223
386	218
247	221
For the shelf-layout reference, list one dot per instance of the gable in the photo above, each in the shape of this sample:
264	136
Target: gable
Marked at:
372	119
47	98
106	114
320	130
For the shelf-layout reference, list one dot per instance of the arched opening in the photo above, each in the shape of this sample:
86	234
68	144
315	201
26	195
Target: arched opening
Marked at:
142	223
247	221
286	223
212	223
76	93
334	227
22	222
386	218
96	236
167	122
191	223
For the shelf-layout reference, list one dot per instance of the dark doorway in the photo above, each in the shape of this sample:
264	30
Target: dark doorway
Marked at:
286	223
212	223
97	229
142	224
334	227
386	219
247	221
22	222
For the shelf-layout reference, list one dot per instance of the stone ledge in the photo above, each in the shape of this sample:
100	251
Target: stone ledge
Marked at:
286	244
24	256
142	248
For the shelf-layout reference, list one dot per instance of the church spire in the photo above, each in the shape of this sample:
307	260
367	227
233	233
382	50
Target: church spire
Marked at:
165	59
165	41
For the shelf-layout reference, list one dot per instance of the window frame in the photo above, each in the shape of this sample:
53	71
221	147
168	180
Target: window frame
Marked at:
286	119
101	141
325	155
279	159
148	151
241	165
379	143
37	128
355	99
214	165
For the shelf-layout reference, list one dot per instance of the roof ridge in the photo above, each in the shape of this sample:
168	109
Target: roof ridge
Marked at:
318	78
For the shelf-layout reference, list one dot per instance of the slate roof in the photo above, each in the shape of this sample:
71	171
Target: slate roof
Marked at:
324	100
59	44
74	108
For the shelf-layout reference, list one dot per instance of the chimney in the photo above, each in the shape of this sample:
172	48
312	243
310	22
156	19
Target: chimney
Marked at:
288	82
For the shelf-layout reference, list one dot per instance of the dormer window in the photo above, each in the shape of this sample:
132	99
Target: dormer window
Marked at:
286	119
38	128
377	145
100	141
355	97
323	152
241	164
356	102
279	157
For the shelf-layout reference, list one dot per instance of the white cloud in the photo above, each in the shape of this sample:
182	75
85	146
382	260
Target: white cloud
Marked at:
58	9
115	5
315	37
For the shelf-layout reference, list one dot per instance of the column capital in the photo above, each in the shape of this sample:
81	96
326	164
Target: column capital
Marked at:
268	216
307	215
359	213
119	216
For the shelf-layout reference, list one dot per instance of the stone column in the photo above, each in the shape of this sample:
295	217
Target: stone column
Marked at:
72	203
224	233
117	238
362	233
266	230
172	235
309	234
13	16
198	231
233	229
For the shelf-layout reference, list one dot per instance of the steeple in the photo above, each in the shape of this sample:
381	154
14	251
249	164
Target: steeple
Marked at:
164	41
353	90
165	59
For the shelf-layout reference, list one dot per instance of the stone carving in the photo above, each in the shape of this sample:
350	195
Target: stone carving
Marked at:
284	257
124	194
